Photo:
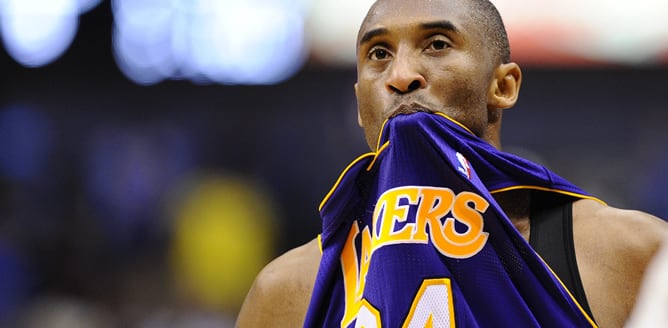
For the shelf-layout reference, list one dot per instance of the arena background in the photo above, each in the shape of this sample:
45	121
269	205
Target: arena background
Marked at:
141	191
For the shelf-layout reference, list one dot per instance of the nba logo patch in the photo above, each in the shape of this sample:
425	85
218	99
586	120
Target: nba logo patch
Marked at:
464	166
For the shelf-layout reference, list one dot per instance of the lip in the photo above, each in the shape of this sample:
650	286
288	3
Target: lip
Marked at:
409	109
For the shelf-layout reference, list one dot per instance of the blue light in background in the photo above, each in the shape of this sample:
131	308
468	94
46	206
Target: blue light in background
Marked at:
230	42
128	173
15	280
25	145
37	32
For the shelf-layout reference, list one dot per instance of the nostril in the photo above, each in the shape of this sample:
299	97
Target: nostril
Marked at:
414	85
402	86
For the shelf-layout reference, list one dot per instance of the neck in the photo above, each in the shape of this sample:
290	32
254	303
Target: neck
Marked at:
492	132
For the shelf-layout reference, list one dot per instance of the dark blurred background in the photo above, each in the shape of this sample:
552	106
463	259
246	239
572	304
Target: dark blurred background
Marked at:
132	196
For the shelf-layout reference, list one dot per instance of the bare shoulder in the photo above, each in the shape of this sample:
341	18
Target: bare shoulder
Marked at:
629	237
612	226
613	247
281	292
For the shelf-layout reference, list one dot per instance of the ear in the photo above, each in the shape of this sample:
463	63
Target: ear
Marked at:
504	88
359	117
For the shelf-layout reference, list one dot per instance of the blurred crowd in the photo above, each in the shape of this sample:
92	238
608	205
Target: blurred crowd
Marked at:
141	239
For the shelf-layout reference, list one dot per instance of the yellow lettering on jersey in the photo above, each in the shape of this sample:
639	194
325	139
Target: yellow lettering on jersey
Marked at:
392	214
350	267
471	217
433	205
392	224
367	249
354	277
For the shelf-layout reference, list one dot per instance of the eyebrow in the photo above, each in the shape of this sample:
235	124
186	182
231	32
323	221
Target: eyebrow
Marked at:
372	34
436	25
440	25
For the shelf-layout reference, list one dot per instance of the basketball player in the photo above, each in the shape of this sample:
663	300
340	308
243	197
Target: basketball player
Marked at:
434	77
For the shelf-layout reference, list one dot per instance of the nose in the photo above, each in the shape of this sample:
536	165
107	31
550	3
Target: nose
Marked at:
405	76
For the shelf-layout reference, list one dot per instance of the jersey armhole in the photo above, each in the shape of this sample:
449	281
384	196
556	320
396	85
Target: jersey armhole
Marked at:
551	236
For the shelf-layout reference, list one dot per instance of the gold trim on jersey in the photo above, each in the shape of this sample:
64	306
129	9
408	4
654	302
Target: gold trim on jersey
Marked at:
559	191
591	321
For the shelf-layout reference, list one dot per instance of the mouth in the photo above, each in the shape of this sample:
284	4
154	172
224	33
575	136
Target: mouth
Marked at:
409	109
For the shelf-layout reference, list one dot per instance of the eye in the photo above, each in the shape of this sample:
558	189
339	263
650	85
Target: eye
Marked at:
438	44
378	54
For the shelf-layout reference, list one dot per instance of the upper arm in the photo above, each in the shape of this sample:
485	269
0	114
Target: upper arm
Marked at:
634	236
613	249
281	292
614	236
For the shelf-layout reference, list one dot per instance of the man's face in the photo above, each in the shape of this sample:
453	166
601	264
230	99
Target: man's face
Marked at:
421	55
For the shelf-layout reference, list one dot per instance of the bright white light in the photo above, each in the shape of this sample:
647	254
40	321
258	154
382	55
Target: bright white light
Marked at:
625	33
333	26
248	43
142	39
36	32
254	42
86	5
632	32
143	64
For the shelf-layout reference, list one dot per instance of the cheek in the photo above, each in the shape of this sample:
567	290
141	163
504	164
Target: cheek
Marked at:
368	104
466	99
468	95
370	109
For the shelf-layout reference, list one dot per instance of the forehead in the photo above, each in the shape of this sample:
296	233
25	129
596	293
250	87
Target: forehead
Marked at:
389	13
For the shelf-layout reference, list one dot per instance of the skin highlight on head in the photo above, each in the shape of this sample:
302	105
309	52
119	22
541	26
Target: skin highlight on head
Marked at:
434	56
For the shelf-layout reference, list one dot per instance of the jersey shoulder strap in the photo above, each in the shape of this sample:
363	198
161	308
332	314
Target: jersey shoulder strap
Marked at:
551	237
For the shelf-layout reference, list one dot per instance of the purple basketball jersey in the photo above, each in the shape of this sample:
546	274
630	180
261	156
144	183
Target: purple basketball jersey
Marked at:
413	238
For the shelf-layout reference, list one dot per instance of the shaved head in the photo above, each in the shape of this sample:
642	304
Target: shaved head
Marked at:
489	21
